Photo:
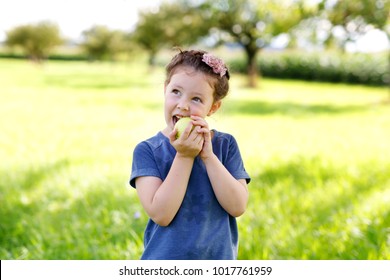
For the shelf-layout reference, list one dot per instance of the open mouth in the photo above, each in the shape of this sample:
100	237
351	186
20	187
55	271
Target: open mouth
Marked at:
176	118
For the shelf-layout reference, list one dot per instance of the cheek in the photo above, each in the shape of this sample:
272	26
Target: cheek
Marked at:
200	111
169	102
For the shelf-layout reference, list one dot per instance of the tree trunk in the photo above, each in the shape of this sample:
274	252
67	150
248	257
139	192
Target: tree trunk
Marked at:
388	74
388	79
252	68
152	59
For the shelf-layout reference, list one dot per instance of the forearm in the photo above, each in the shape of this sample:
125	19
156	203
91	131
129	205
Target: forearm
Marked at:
169	196
164	200
230	192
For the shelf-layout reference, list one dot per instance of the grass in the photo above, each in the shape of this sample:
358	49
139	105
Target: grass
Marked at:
318	154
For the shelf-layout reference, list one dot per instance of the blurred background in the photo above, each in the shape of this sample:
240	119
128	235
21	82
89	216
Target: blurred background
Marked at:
82	83
320	33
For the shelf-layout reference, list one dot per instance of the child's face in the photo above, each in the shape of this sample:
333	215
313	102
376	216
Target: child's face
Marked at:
189	92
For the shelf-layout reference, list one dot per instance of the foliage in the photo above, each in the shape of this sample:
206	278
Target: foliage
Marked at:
174	24
100	43
149	34
253	24
318	158
354	68
35	40
348	13
357	17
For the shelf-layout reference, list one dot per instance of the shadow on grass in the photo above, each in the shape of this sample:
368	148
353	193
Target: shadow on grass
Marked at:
16	211
251	107
93	81
298	209
41	220
313	209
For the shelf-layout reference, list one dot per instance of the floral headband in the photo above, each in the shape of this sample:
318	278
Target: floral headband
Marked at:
215	63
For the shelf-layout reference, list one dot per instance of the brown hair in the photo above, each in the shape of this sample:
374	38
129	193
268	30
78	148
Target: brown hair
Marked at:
194	59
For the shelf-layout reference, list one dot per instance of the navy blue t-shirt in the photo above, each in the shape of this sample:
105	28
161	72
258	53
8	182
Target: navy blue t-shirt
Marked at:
201	229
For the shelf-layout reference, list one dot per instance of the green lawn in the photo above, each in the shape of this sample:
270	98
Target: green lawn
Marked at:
318	154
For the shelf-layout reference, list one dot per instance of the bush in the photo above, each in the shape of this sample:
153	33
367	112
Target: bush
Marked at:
358	68
64	57
35	40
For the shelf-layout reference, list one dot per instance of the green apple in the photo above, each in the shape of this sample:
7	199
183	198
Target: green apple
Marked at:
181	125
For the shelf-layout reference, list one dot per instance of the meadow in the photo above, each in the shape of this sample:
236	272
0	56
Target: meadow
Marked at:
318	155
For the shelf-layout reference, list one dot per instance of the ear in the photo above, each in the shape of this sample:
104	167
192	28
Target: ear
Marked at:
214	108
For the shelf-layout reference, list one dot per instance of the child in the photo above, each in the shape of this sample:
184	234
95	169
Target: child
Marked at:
193	187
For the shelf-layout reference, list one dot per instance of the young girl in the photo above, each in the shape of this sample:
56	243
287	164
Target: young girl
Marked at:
192	187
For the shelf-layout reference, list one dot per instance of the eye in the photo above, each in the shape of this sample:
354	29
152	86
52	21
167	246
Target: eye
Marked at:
176	92
197	99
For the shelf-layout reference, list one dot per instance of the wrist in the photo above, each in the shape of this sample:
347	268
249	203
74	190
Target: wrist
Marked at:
209	159
185	157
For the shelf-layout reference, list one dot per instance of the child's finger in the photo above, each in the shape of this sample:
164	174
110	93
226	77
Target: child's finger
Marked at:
198	121
172	135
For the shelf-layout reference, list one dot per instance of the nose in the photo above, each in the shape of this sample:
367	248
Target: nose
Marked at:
183	105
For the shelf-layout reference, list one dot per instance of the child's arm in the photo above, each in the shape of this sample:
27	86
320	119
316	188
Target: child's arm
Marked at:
231	193
162	199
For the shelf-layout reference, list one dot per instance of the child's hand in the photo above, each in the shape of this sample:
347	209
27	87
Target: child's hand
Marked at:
190	142
203	127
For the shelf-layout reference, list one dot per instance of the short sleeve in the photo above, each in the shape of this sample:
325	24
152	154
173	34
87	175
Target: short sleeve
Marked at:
233	161
144	163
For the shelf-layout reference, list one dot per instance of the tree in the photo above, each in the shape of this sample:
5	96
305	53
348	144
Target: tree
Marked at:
356	17
150	33
35	40
172	24
254	23
100	43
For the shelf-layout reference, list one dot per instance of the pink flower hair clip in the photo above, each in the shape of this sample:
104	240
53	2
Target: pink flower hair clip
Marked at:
215	63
